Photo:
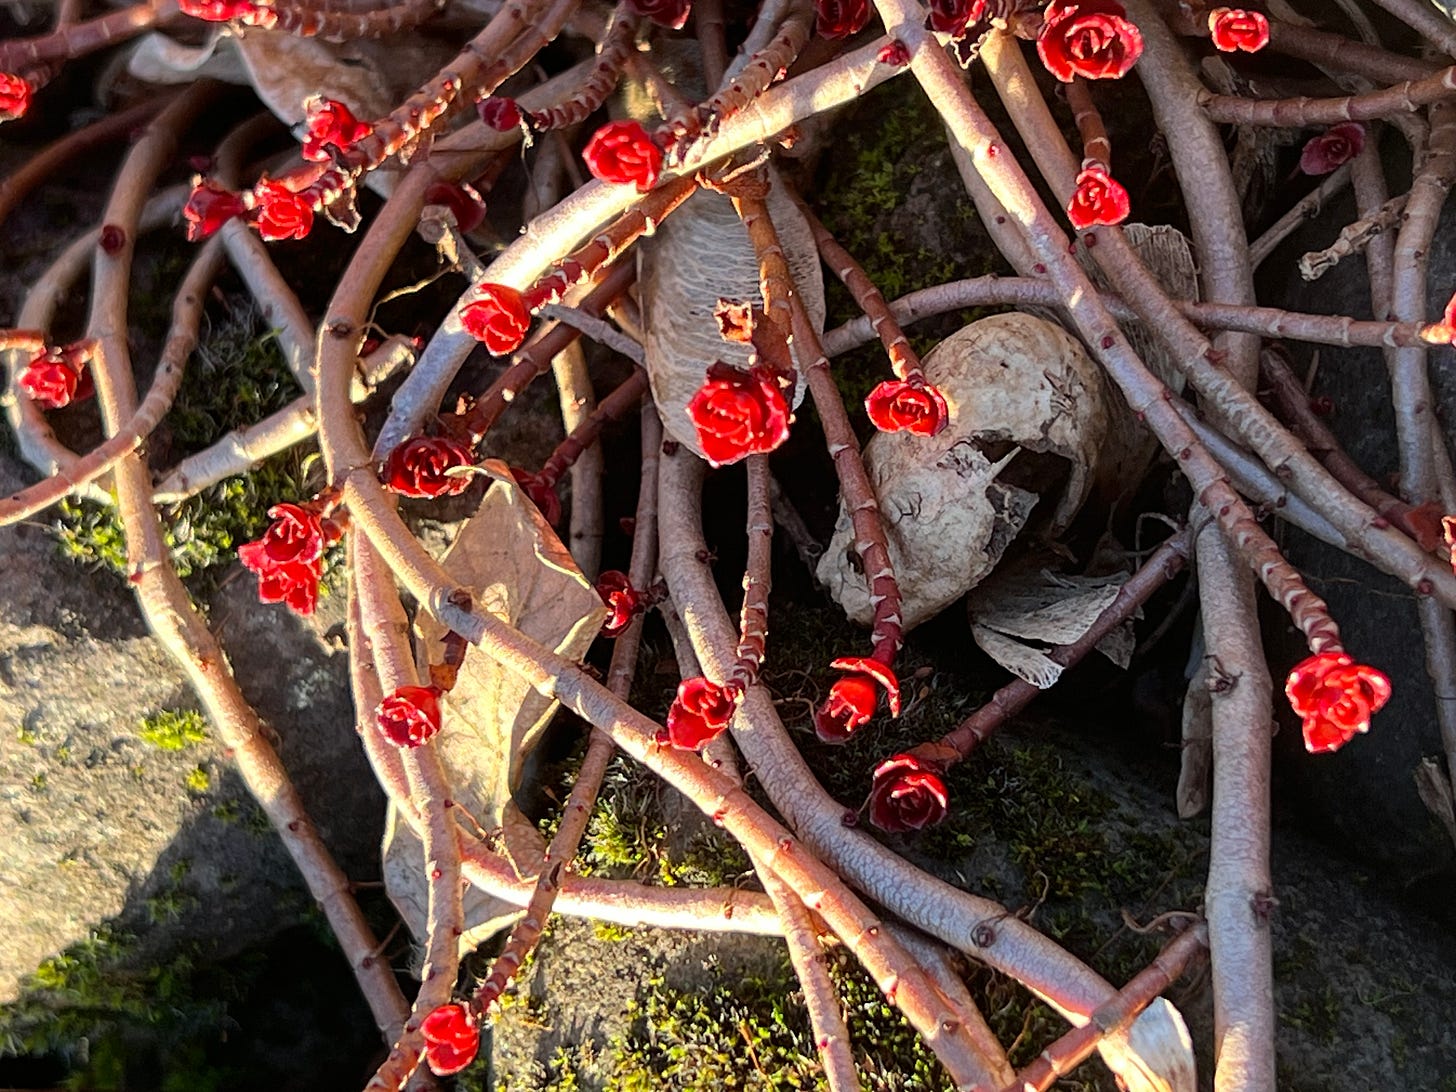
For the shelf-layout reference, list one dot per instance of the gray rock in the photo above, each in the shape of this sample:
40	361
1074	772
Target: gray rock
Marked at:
1364	797
104	827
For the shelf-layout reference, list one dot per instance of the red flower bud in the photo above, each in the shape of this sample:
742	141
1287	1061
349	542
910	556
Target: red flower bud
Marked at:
463	201
625	601
330	124
417	467
1335	697
279	213
452	1039
853	699
498	318
906	405
288	558
1088	38
954	16
840	18
54	382
499	113
410	716
15	95
256	13
665	13
1238	29
208	207
1098	199
1335	147
699	713
739	413
621	152
894	53
542	494
907	794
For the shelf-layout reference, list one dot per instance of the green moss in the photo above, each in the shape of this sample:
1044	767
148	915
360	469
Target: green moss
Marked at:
233	380
198	781
174	730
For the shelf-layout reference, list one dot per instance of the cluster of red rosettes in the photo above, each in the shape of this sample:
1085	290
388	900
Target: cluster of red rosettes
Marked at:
15	96
452	1038
854	697
1093	39
422	467
275	207
622	599
289	558
498	318
1335	697
739	412
499	113
907	405
410	716
1333	148
665	13
1099	199
57	377
623	152
330	127
840	18
253	13
907	793
1235	30
700	712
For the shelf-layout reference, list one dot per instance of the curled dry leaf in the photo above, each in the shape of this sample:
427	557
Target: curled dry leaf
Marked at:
700	255
1028	421
517	569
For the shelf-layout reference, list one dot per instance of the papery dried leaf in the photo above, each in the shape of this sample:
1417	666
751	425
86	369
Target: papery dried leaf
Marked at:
161	59
1155	1054
1051	608
1434	789
700	255
518	570
285	70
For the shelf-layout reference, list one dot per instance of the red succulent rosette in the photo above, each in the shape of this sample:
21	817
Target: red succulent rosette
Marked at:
288	559
499	113
1238	29
209	206
1099	199
330	125
894	53
54	382
410	716
452	1039
853	699
1089	38
419	467
1335	697
621	152
1333	148
840	18
907	405
541	492
665	13
907	794
498	319
279	212
954	16
463	201
624	601
15	95
253	13
739	413
699	713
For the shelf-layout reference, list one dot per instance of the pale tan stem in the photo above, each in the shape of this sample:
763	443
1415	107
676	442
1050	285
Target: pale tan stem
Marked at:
577	813
386	633
165	603
831	1037
574	388
1305	209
